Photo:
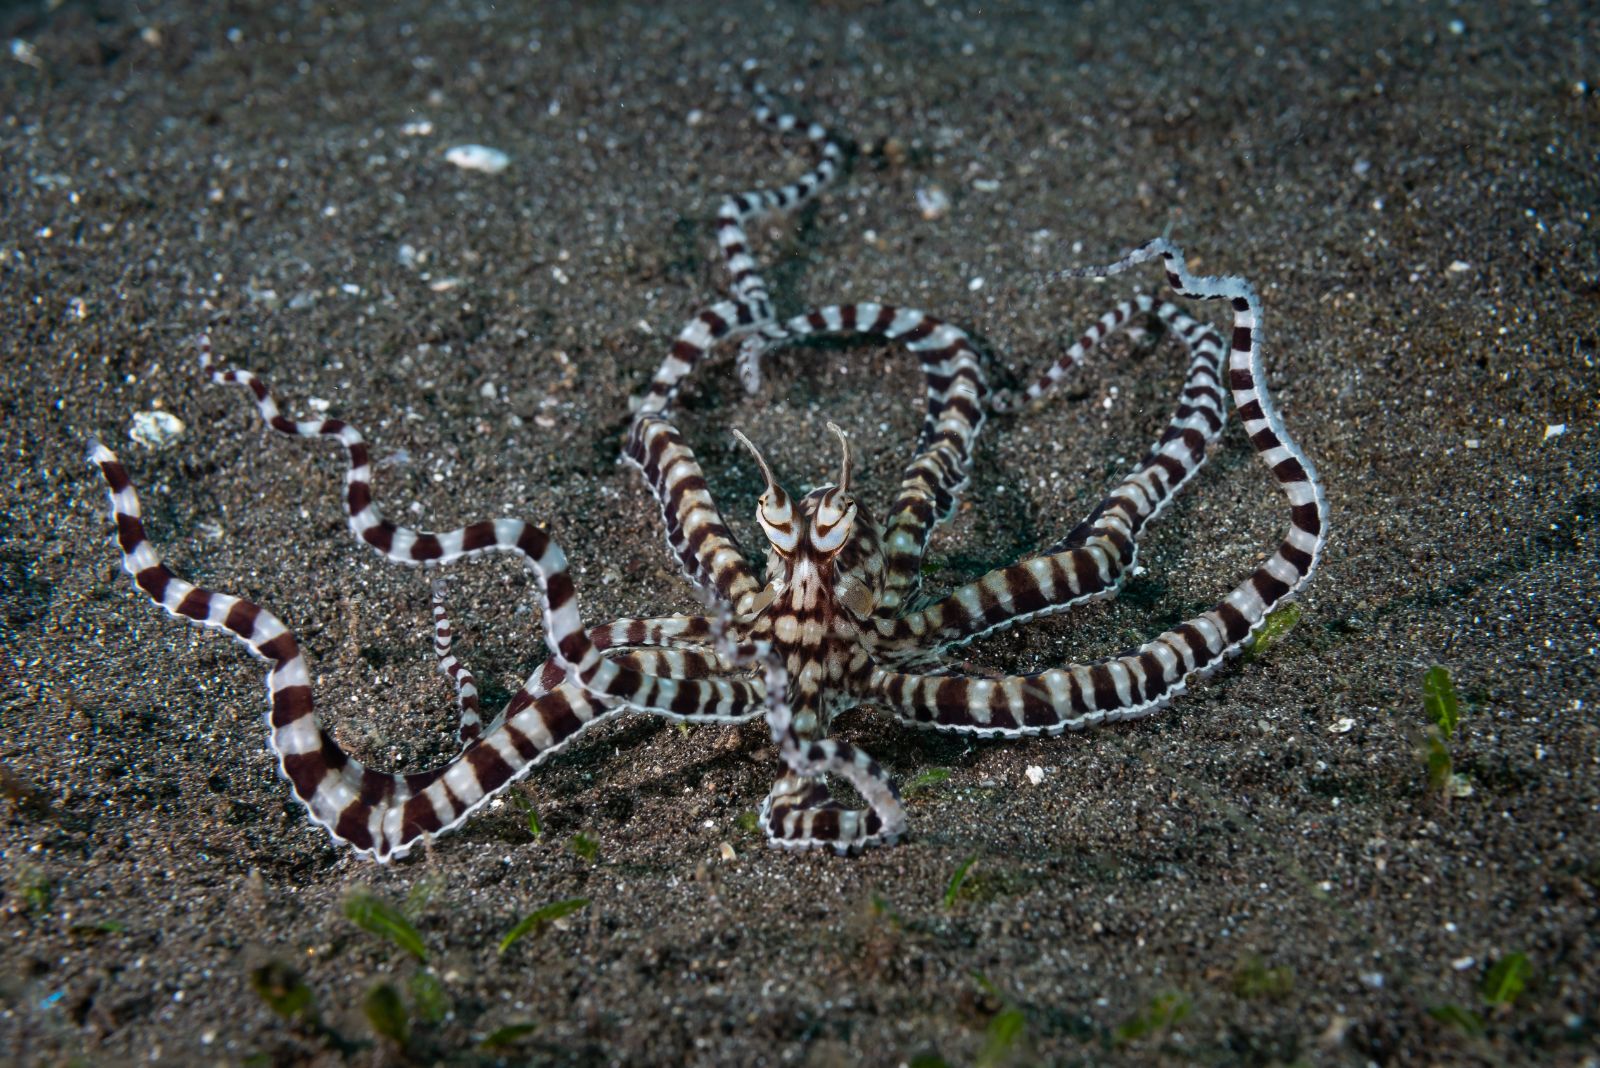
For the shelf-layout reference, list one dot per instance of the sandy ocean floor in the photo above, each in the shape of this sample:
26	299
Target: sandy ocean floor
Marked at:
1258	875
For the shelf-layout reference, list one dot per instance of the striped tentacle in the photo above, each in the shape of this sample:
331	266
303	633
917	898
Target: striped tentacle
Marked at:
956	394
798	813
1120	317
689	699
381	815
751	305
639	643
613	680
696	533
1140	682
1095	559
460	676
676	631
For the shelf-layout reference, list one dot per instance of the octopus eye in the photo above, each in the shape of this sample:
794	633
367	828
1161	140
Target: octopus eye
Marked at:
777	519
773	510
836	512
834	520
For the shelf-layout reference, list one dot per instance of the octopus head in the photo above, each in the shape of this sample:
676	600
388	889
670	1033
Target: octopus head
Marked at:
825	534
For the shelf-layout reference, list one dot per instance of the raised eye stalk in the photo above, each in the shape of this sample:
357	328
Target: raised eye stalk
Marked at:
775	514
844	467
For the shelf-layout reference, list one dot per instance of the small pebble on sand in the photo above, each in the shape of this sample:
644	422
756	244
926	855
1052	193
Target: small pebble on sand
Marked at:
478	158
933	202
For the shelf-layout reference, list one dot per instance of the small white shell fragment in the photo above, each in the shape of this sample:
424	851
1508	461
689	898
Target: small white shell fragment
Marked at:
155	430
1554	430
728	855
419	128
933	202
478	158
1459	267
1035	774
986	185
1342	725
23	52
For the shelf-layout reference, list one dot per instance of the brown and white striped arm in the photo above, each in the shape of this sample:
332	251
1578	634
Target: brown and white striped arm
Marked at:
380	815
675	631
690	703
1138	683
1093	561
610	678
642	644
466	686
696	533
1120	317
799	814
751	305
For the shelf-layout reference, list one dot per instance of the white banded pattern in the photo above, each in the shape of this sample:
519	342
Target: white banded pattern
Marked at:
750	307
590	676
840	621
460	676
831	625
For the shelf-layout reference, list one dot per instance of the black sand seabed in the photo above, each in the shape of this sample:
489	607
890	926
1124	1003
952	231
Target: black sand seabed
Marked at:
1411	187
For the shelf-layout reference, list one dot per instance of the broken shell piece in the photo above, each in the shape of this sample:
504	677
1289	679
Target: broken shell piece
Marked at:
155	430
478	158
